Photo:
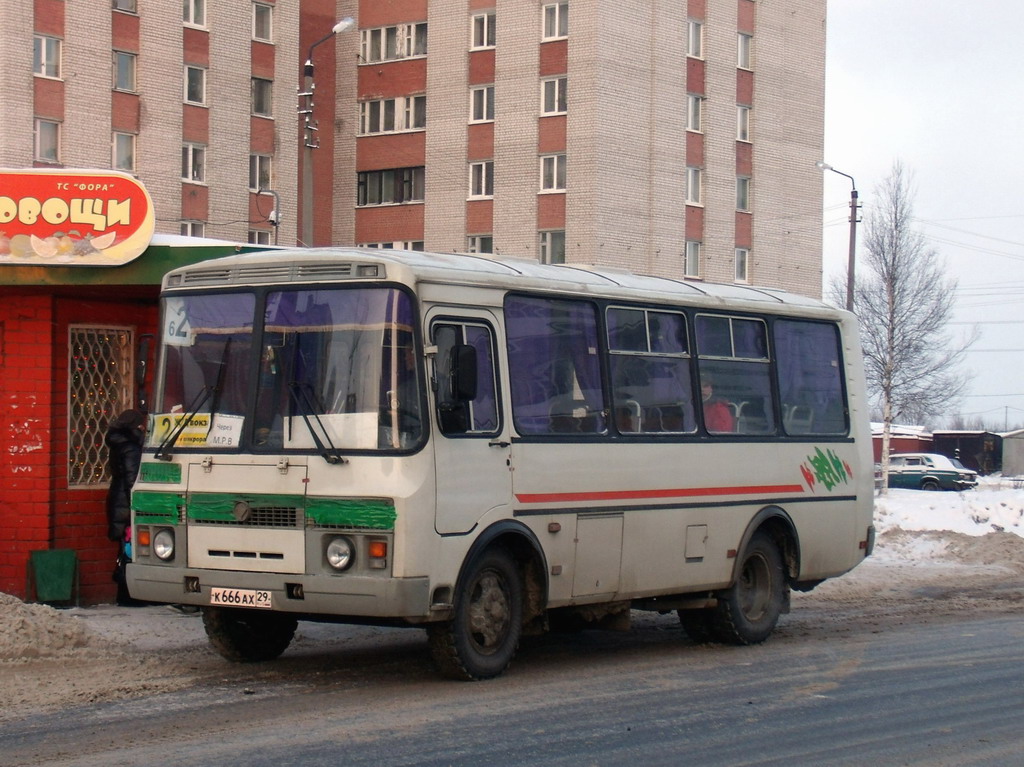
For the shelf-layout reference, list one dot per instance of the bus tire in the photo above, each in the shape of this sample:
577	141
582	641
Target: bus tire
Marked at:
482	637
748	611
697	623
248	636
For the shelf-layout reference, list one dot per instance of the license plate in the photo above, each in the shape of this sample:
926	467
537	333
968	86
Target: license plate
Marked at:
240	598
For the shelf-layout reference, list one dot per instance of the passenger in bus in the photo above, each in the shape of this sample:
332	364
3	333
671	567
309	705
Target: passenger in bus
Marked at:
718	415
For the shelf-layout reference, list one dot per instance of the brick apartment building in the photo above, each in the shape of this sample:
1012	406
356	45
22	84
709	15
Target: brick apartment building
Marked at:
676	139
199	106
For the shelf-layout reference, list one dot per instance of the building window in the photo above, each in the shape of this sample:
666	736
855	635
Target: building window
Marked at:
47	141
744	51
260	172
259	237
552	173
396	245
694	111
480	243
693	186
553	94
691	265
195	85
124	71
742	193
391	186
193	163
389	43
552	247
124	152
742	123
262	97
392	115
483	30
193	228
46	56
263	22
124	5
100	386
556	21
695	39
742	264
481	104
194	12
481	179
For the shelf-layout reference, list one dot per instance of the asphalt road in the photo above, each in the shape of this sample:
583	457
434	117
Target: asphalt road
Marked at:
943	692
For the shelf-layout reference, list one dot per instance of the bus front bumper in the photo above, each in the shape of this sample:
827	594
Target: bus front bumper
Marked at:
338	596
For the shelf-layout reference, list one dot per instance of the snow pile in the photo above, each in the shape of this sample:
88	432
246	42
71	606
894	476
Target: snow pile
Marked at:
986	509
37	631
983	526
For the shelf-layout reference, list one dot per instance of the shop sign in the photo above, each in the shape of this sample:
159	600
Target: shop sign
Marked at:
73	217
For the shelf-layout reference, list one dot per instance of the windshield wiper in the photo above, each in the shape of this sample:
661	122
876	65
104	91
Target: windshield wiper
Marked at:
307	406
163	453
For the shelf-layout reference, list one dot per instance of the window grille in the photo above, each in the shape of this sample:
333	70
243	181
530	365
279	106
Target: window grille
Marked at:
100	384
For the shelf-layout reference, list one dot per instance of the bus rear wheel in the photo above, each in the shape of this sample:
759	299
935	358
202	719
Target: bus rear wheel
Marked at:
748	611
482	637
248	636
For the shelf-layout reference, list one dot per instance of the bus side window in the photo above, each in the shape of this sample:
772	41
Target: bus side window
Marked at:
650	373
554	369
457	412
810	378
735	373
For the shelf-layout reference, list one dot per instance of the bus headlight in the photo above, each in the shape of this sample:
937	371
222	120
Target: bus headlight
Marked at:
163	544
339	553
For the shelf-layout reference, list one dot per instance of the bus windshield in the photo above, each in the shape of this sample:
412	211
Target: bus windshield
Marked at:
298	369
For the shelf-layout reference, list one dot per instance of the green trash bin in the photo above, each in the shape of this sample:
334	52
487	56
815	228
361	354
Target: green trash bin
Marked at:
54	574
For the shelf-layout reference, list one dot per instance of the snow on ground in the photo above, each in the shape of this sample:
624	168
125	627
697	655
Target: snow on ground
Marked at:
991	507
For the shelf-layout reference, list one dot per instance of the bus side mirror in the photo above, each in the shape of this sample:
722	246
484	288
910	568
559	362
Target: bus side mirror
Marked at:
463	373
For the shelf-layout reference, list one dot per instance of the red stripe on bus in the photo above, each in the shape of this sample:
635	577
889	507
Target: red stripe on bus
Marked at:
634	495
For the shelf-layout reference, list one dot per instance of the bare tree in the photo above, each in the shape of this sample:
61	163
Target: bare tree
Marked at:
904	303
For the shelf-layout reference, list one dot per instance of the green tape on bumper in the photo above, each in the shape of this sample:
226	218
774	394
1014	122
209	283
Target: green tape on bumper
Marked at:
156	508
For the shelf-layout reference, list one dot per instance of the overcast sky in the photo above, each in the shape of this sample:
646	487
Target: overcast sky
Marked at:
939	85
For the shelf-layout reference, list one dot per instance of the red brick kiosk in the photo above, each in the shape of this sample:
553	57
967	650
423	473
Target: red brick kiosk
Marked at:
80	272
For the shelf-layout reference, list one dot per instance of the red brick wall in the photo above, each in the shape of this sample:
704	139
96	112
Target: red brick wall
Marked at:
38	511
26	461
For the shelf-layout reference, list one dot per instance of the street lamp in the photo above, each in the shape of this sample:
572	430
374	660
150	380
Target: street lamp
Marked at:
822	165
309	137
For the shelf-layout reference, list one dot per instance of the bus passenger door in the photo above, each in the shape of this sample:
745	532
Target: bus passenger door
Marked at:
471	445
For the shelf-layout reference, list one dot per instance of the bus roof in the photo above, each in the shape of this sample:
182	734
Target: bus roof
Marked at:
485	270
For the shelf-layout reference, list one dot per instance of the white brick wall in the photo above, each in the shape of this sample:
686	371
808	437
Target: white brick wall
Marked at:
160	74
16	85
88	79
447	116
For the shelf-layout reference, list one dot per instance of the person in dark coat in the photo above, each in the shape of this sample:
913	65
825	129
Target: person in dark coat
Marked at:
124	439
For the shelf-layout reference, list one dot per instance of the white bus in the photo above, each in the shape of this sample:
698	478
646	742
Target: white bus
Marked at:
488	447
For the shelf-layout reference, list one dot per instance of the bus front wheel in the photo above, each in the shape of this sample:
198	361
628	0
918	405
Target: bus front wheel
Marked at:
748	611
248	636
481	639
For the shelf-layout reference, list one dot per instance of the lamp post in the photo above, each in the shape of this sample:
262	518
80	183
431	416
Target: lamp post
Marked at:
309	129
853	232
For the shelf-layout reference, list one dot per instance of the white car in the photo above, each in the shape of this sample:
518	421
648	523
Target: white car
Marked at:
929	471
